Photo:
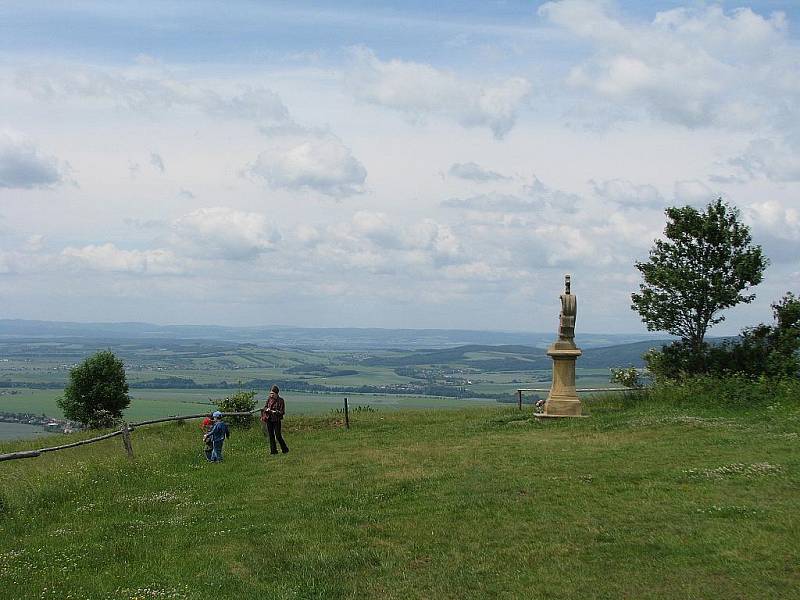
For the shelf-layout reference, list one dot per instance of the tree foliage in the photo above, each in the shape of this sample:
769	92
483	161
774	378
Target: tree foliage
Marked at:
239	402
704	264
763	351
97	391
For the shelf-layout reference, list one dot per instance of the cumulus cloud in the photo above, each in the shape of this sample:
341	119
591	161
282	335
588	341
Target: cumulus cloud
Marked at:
314	161
34	243
149	90
429	238
775	160
419	90
545	227
380	244
691	66
223	233
627	193
534	197
474	172
24	166
694	192
776	219
109	258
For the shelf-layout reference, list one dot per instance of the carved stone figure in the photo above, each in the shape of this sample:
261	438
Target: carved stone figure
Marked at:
569	311
563	399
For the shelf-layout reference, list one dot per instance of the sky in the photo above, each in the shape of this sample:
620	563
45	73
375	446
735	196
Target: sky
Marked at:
371	164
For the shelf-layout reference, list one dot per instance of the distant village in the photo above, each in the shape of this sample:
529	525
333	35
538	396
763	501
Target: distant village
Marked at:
47	424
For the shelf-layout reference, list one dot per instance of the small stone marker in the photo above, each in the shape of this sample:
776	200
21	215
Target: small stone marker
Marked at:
563	399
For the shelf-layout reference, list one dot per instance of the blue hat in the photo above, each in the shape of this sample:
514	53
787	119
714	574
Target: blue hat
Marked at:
216	414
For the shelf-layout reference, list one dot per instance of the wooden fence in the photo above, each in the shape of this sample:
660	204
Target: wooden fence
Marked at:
580	390
124	431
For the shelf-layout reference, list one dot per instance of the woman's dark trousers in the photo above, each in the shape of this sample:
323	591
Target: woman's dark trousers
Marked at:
274	430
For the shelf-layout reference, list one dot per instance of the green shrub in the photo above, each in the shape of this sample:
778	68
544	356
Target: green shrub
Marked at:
771	351
764	350
238	402
627	377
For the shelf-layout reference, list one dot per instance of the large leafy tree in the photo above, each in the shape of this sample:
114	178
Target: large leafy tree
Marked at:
97	391
705	264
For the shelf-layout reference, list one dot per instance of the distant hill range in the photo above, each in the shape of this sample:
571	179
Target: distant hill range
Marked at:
347	338
517	358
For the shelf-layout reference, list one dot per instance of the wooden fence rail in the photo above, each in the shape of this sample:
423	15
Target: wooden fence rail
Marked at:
520	390
619	389
124	431
128	427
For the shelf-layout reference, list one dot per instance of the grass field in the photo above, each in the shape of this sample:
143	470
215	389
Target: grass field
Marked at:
152	404
642	500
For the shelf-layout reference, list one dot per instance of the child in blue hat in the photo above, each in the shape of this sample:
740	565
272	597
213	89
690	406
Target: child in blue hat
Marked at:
219	432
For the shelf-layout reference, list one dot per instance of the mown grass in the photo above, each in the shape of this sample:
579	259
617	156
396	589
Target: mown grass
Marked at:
643	500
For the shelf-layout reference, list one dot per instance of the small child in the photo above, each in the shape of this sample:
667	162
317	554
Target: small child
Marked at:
206	426
219	432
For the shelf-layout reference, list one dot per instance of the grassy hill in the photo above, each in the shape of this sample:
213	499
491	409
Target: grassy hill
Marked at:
642	500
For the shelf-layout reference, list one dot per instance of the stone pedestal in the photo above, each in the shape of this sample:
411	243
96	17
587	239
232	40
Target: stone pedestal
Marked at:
563	399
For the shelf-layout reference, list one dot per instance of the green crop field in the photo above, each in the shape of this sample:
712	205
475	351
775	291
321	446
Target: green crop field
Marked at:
182	376
692	495
150	404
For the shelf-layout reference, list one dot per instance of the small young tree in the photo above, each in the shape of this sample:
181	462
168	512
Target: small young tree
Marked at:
97	392
703	266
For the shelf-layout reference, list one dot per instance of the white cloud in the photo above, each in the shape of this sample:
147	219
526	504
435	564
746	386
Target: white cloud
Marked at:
691	66
474	172
694	192
418	90
776	219
34	243
24	166
149	89
110	258
777	161
314	161
627	193
223	233
534	197
542	227
379	243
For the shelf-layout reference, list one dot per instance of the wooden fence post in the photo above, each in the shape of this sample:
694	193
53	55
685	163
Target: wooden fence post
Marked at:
519	393
126	439
346	415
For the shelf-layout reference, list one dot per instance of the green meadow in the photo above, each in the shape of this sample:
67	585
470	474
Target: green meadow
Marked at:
153	404
691	494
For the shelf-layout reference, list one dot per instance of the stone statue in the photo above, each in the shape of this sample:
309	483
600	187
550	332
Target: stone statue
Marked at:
563	398
569	310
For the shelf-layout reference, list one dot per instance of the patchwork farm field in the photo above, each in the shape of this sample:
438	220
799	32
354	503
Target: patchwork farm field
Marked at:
147	404
171	377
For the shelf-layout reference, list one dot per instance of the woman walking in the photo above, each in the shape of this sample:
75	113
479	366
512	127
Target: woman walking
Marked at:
271	416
